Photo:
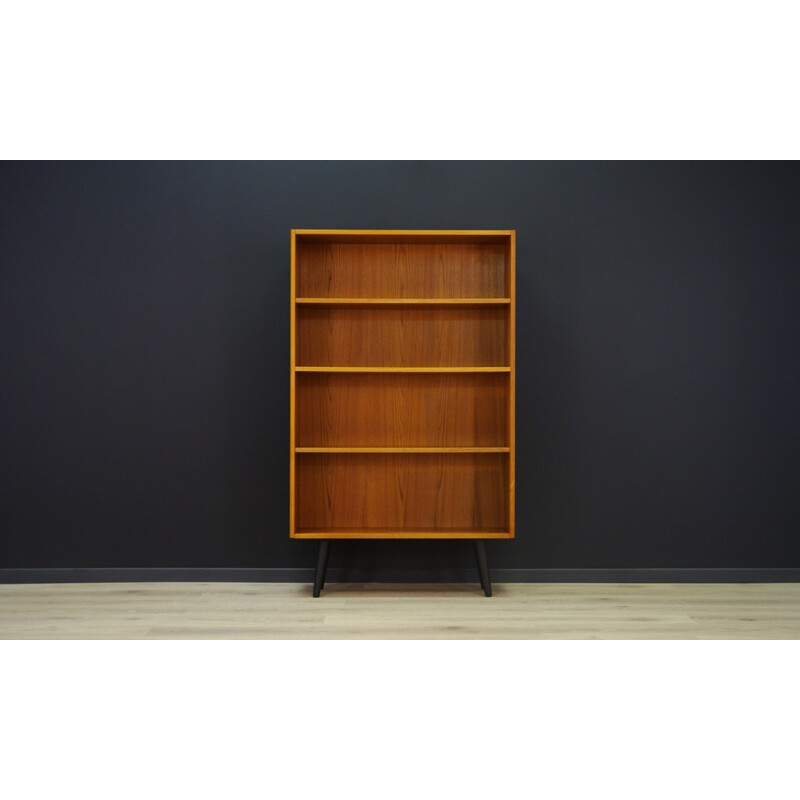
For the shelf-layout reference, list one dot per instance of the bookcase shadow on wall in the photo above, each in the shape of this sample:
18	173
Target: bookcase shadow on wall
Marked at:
402	387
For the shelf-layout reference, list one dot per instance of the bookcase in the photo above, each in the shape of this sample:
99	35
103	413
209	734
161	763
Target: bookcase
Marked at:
402	384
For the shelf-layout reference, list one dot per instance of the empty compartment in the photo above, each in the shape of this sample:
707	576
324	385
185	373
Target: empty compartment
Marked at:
401	269
402	337
402	409
358	493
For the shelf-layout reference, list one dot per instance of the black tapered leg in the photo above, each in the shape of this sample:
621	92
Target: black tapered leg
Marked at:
483	567
478	562
322	566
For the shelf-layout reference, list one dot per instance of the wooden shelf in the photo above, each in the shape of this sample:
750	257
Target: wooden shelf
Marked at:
402	449
451	302
402	533
402	369
402	384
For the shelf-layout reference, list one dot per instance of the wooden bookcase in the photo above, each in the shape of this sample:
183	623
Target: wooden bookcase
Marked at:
402	384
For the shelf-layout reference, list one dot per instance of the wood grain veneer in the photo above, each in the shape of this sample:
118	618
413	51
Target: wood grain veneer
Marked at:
398	269
402	409
402	337
363	491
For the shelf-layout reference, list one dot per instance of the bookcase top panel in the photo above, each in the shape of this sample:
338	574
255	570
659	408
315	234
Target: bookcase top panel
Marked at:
367	236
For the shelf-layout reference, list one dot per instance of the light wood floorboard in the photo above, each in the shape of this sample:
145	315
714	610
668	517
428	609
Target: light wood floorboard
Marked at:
399	611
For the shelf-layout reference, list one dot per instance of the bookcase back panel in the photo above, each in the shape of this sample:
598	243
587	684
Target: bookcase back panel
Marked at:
400	409
401	270
402	337
360	492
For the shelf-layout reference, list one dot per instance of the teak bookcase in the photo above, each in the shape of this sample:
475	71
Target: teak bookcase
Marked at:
402	385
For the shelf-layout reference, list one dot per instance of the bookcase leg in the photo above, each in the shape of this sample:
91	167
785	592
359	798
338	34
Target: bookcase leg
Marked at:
483	567
478	561
322	566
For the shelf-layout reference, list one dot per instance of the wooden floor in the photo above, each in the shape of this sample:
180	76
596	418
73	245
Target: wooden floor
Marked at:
399	611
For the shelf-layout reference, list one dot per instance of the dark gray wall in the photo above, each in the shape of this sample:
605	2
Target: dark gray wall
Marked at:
144	358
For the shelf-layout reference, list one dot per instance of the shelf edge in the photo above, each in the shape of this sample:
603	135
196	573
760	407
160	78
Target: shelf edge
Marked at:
402	369
412	450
